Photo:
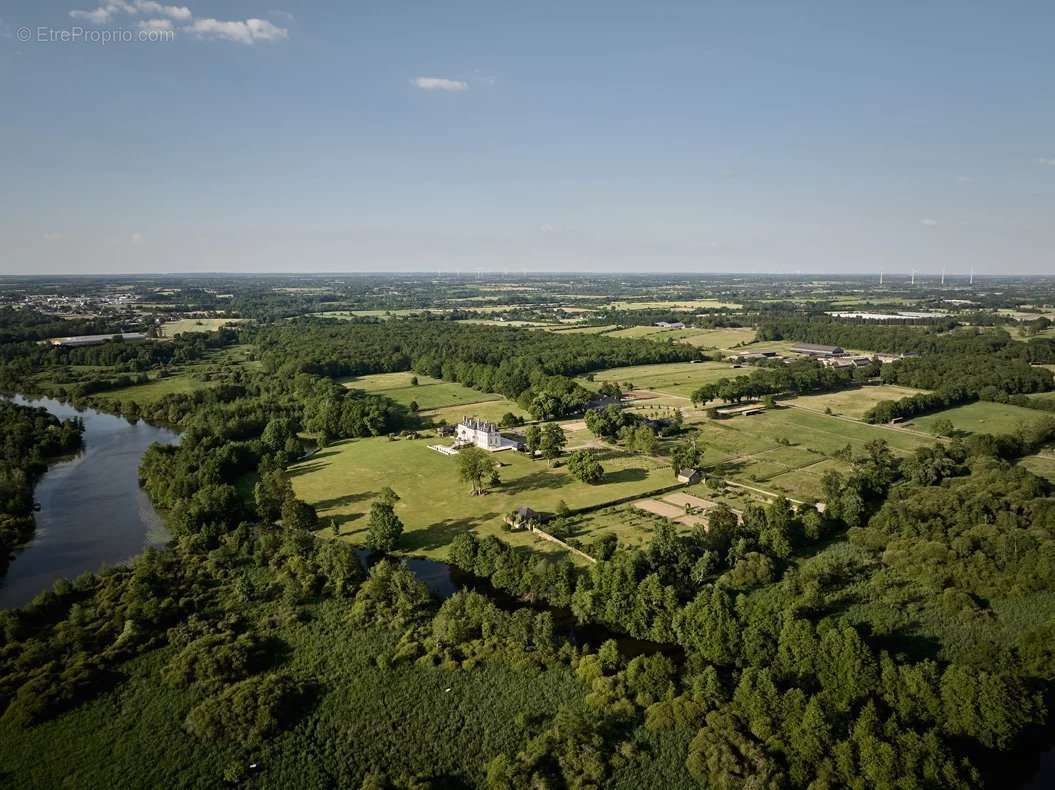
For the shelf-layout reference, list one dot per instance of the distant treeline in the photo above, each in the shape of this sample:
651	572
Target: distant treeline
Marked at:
957	379
21	325
935	339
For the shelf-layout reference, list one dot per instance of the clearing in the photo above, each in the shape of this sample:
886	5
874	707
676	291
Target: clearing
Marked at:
852	402
982	417
671	378
342	480
173	328
429	393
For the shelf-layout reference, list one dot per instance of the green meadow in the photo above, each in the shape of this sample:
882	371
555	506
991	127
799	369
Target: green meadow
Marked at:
982	417
674	378
342	480
854	402
428	393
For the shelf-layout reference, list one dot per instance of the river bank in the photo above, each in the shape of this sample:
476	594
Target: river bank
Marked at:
92	512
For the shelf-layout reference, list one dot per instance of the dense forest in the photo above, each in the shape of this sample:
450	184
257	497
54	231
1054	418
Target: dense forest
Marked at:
932	339
532	367
29	438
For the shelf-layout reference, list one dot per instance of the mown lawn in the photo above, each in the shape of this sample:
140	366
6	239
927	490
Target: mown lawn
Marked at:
343	480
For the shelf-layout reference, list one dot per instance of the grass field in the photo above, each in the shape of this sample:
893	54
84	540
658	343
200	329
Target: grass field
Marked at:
429	393
173	328
492	410
853	402
788	450
719	338
342	480
1041	465
982	417
156	390
676	378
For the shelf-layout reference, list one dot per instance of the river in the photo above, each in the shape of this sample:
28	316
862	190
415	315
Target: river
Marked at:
92	511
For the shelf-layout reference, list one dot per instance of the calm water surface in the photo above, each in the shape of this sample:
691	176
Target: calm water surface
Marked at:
92	511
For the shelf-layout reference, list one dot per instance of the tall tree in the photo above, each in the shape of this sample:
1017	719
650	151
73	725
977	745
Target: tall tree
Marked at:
384	527
475	466
553	441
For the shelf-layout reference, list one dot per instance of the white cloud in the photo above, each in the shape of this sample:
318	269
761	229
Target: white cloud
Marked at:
136	238
99	16
246	32
439	84
1048	162
930	223
165	17
156	24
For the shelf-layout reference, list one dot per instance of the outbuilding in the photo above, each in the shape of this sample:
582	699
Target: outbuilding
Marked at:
814	350
690	476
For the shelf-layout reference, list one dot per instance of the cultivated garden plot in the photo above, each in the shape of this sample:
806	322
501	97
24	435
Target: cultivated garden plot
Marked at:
341	481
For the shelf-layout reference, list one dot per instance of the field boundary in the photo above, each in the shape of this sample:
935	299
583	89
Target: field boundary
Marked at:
552	539
623	500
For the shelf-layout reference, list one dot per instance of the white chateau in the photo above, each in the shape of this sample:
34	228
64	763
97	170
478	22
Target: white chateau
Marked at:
482	434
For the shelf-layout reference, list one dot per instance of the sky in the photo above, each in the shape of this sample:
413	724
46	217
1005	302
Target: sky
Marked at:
282	136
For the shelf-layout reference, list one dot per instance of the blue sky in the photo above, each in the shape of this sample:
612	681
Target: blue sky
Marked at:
568	136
